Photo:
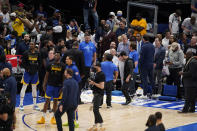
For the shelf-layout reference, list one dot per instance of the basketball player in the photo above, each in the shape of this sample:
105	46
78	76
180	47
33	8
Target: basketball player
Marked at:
30	61
52	85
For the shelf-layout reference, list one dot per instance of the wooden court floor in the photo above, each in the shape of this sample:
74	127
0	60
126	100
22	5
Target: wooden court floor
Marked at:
118	118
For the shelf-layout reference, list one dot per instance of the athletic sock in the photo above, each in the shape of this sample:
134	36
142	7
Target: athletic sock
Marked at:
34	101
21	101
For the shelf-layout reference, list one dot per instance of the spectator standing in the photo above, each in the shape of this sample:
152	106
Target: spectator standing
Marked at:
158	65
174	21
190	84
89	6
139	42
165	40
194	8
124	45
175	62
89	52
6	15
146	66
111	21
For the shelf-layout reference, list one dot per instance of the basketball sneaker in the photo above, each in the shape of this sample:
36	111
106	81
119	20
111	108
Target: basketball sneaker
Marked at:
35	107
75	123
94	128
41	121
53	121
21	108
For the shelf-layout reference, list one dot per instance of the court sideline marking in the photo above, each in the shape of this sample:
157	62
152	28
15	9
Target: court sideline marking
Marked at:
23	119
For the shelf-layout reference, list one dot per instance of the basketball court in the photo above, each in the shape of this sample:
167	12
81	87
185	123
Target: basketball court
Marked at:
118	118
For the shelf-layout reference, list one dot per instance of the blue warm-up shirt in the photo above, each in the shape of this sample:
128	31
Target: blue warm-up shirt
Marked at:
135	56
76	74
88	50
108	68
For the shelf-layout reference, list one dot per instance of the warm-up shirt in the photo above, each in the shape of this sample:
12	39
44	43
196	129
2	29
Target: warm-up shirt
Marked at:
108	68
56	72
88	50
76	74
135	56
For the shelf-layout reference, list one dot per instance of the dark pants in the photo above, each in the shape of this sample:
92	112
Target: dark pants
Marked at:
41	80
108	89
158	78
125	91
133	83
147	75
96	103
70	111
175	79
87	75
190	96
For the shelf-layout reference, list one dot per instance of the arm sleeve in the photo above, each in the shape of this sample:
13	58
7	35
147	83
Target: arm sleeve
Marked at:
171	18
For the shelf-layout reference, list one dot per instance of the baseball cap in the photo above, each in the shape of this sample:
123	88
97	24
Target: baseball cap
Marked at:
111	13
119	13
13	14
57	11
174	45
20	5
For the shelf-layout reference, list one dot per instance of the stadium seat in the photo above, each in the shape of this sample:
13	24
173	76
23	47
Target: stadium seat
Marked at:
169	93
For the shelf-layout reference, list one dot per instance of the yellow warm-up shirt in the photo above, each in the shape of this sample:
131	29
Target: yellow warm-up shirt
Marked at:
141	23
18	26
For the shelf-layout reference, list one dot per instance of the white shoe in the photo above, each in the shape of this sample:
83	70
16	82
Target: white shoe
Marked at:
21	108
36	108
143	97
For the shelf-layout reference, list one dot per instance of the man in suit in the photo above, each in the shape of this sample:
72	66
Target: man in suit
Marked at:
189	82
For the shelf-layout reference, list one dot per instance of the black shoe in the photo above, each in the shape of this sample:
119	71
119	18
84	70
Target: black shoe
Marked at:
108	107
182	112
127	102
191	111
81	103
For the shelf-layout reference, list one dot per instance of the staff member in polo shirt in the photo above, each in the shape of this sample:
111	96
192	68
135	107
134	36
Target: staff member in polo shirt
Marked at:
111	74
52	85
89	52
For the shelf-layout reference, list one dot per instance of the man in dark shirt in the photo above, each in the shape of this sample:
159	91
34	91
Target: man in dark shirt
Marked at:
98	92
9	85
30	61
128	75
146	65
69	100
78	58
23	45
52	85
189	82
